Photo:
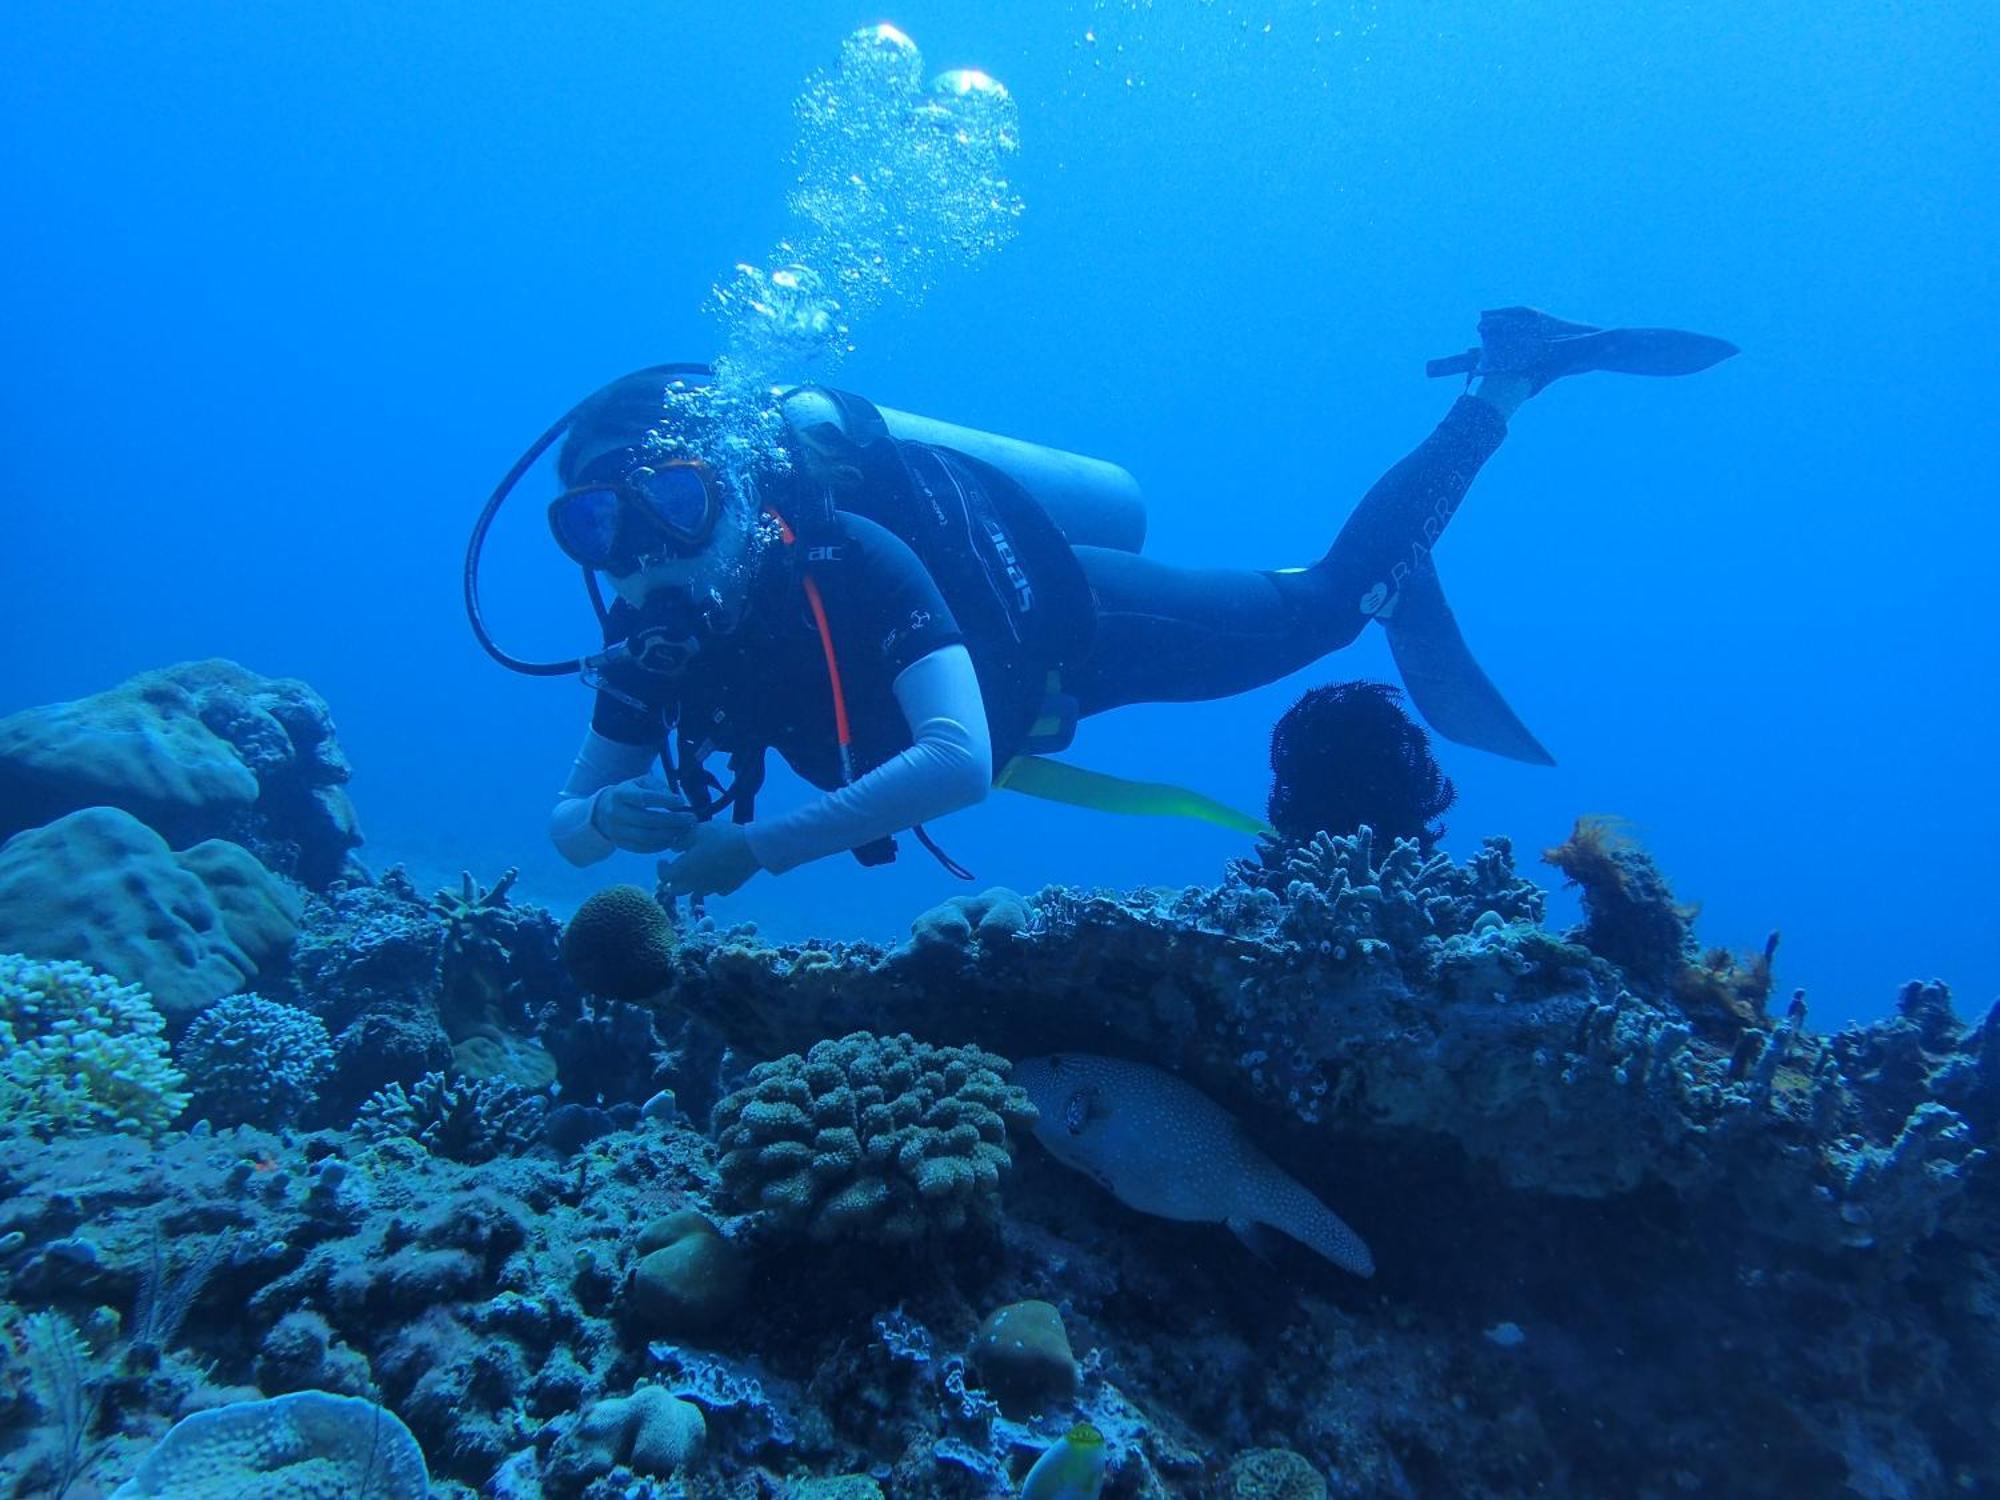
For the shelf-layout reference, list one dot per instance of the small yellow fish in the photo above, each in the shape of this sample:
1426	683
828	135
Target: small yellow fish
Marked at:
1072	1469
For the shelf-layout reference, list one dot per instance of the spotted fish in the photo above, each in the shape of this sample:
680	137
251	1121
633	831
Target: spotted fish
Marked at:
1165	1148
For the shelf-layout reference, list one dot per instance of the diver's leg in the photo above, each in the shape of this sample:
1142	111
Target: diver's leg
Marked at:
1168	634
1400	519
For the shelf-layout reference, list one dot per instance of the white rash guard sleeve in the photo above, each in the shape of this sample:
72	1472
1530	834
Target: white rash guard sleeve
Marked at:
600	763
949	766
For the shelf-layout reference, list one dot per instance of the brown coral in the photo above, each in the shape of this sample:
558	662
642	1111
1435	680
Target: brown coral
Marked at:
620	944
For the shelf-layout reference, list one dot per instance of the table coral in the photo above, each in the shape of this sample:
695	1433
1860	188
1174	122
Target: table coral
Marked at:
309	1445
869	1137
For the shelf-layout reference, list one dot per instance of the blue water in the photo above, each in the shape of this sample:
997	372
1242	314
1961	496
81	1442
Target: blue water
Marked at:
289	285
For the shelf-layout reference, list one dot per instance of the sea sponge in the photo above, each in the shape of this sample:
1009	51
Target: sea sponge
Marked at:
80	1052
310	1445
620	944
254	1061
1022	1355
880	1138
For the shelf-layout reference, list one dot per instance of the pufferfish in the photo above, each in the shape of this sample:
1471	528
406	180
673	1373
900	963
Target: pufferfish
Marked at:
1164	1147
1072	1469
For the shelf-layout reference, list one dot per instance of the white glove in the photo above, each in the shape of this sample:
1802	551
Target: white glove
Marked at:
642	815
717	860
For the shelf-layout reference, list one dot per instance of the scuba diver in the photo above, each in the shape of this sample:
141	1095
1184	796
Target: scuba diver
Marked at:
912	613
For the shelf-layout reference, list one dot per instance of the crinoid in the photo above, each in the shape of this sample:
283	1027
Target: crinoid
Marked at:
1347	756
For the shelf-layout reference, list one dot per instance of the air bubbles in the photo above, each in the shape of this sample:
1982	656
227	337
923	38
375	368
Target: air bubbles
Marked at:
896	181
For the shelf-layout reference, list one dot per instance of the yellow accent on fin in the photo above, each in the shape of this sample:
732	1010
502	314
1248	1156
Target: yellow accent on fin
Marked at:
1058	781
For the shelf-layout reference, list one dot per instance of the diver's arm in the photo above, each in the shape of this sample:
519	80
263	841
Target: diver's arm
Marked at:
602	763
949	766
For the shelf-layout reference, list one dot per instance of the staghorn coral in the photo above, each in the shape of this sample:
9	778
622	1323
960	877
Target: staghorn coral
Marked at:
620	944
469	1120
867	1137
254	1061
80	1052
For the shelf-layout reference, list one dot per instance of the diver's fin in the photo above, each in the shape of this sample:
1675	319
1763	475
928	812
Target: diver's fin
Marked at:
1455	697
1521	340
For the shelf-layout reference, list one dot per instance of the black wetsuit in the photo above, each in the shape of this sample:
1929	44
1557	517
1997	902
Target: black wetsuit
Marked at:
1041	619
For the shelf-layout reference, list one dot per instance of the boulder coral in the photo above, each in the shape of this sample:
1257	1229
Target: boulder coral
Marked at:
880	1138
620	944
202	750
100	887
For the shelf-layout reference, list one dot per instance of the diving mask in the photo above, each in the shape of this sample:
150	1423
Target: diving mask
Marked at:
671	506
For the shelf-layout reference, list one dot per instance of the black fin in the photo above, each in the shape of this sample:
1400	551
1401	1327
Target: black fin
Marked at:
1455	697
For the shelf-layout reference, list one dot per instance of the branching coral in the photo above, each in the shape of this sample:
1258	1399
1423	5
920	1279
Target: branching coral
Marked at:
254	1061
80	1052
468	1120
870	1137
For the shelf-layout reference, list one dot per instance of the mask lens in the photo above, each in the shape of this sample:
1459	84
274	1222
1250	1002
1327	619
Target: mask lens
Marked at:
677	497
585	523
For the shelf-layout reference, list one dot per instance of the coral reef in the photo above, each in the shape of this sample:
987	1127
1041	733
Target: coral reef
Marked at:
203	750
1636	1235
254	1062
1347	757
80	1052
883	1138
101	888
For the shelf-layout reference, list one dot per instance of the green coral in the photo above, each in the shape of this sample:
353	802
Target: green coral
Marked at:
879	1138
80	1052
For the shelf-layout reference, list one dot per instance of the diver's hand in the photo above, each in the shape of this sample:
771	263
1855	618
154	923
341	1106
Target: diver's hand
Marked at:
642	815
717	859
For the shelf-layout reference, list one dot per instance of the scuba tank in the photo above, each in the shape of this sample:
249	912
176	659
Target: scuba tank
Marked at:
1095	503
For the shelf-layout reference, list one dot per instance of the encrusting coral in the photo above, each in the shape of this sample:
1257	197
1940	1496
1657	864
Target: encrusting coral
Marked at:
883	1138
80	1052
